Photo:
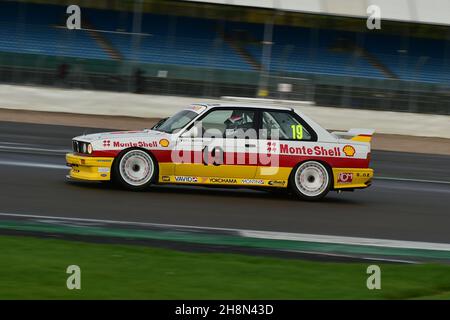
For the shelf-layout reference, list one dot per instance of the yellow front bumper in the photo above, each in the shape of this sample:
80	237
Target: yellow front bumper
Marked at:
89	168
352	178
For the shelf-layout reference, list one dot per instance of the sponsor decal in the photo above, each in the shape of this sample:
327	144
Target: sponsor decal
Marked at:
103	169
140	144
277	183
186	179
223	180
165	178
310	151
252	181
106	143
363	174
344	177
349	150
104	160
164	143
271	146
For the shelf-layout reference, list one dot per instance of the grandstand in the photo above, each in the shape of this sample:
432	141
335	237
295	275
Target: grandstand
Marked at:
200	43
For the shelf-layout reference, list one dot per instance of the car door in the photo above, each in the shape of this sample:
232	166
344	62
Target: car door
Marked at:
280	129
221	144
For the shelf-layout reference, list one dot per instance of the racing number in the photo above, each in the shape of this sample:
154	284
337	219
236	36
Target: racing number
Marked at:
297	131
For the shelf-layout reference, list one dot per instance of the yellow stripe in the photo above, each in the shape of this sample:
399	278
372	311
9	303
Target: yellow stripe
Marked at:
89	161
223	181
89	168
362	138
225	171
94	168
239	175
347	178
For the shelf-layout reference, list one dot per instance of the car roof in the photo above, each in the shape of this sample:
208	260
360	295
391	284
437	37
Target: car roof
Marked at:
237	105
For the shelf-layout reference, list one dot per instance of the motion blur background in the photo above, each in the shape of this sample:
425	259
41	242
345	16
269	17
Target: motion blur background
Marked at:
318	51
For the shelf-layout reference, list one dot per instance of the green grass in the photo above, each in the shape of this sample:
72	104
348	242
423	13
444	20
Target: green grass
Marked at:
34	268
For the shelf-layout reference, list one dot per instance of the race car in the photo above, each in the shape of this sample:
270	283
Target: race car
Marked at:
229	145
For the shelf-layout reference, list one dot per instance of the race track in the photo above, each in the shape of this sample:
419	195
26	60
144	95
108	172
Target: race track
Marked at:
411	204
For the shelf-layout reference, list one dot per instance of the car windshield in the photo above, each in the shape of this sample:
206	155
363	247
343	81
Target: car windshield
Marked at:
177	121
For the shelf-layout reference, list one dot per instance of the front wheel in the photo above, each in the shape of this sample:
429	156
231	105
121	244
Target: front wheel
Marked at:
310	180
135	169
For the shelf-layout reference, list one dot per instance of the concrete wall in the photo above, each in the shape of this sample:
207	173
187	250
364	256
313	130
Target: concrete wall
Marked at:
152	106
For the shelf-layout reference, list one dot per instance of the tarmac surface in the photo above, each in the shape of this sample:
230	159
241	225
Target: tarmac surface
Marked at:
410	200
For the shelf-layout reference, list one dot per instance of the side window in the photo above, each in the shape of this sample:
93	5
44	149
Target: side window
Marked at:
228	121
283	125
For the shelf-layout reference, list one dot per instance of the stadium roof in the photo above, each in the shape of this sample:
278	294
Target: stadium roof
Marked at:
420	11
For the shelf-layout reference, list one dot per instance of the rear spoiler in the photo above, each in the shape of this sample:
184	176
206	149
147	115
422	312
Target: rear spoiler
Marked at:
356	134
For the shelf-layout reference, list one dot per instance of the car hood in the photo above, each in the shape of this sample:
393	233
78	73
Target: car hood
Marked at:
119	135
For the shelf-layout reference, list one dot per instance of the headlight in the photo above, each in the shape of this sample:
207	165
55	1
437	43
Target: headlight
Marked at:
84	147
89	148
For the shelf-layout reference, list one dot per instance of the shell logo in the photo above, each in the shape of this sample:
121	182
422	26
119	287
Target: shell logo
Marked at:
349	151
164	143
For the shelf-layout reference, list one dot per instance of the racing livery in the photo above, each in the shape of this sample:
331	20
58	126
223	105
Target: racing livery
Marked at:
253	146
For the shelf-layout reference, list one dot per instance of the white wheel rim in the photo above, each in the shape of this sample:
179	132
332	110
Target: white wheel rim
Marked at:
136	167
311	179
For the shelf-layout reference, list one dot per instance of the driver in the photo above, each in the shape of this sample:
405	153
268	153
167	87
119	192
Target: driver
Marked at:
235	121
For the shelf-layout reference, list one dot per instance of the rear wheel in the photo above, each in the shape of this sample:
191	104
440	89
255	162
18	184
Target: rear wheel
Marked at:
311	180
135	169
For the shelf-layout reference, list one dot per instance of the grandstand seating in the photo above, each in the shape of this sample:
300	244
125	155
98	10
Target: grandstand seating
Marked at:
27	32
198	43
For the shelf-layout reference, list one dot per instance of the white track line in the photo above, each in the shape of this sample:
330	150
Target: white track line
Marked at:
411	180
267	234
339	255
9	147
33	164
33	149
50	166
347	240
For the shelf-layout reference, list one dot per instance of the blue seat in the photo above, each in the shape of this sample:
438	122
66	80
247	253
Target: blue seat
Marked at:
196	42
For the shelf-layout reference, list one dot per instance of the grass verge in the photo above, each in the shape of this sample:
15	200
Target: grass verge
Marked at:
35	268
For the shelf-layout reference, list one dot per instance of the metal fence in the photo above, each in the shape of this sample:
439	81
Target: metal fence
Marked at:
324	91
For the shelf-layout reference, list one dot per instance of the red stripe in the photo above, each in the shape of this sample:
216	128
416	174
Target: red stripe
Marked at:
231	158
247	159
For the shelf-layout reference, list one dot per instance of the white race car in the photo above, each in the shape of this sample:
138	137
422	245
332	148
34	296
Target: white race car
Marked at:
272	147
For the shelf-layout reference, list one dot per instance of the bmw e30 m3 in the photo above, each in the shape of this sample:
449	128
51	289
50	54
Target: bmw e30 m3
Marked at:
229	145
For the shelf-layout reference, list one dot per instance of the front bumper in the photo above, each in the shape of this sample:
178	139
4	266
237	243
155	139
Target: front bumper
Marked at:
352	178
89	168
